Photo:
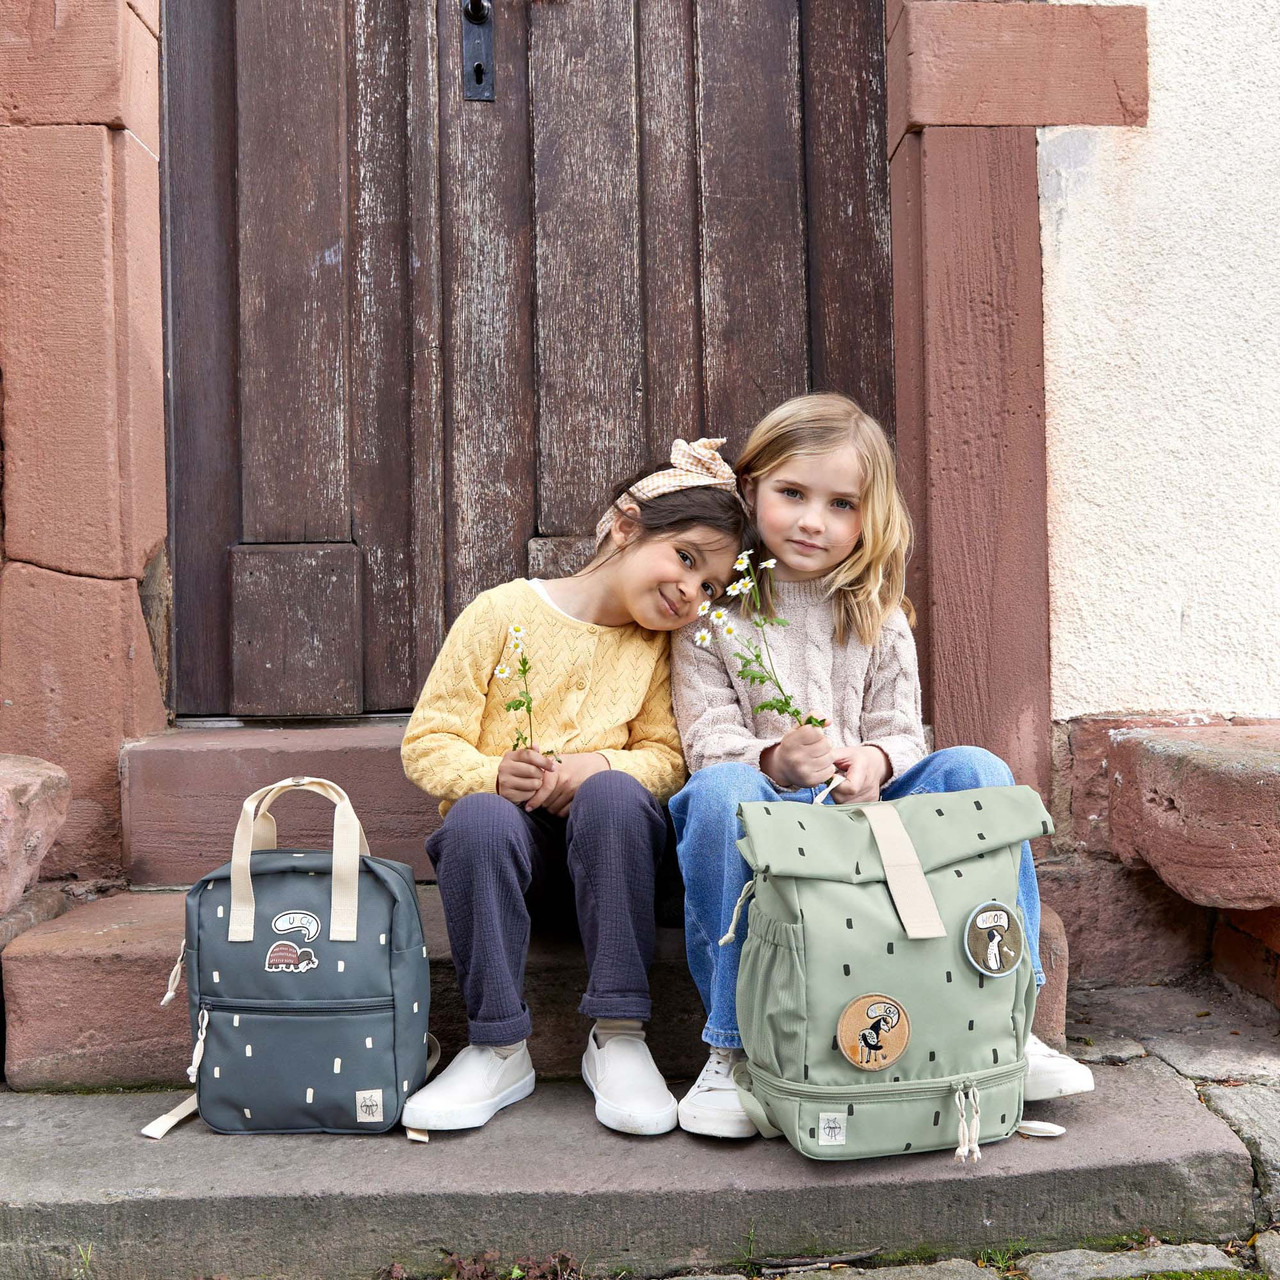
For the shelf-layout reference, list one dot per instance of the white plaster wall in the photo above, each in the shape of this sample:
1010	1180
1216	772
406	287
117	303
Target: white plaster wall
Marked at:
1162	379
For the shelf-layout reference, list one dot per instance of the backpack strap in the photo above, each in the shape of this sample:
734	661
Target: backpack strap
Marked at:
162	1124
903	873
349	845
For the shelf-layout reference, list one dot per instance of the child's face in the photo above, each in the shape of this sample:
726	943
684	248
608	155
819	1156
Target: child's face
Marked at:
664	580
808	512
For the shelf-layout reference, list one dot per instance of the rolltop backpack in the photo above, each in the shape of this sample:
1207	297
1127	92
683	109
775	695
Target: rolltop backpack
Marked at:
885	992
308	982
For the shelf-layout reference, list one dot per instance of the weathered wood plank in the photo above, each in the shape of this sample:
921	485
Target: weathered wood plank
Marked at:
754	304
291	109
847	174
381	447
582	85
426	412
198	194
560	557
295	629
972	63
669	202
983	345
486	256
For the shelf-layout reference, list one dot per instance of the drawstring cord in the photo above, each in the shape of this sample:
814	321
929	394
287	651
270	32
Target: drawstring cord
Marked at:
175	974
747	890
967	1129
197	1054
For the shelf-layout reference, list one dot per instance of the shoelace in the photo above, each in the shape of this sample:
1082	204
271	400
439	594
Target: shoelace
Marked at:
717	1074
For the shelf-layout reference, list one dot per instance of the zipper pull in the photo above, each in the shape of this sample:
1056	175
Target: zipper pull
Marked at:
174	975
747	890
197	1054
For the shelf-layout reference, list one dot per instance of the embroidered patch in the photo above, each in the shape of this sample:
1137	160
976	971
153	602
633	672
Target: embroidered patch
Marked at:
368	1106
284	957
831	1128
993	939
873	1031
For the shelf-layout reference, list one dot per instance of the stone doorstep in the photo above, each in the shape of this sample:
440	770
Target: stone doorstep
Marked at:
1201	806
181	794
1140	1152
82	997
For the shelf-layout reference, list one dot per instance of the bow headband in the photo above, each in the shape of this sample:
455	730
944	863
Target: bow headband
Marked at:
692	464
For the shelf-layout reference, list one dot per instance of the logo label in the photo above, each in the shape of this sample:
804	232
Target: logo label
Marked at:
993	939
831	1128
284	957
306	923
368	1106
873	1031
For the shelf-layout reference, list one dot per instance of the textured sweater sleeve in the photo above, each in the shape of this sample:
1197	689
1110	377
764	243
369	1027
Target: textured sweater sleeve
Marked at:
891	716
713	729
652	754
439	749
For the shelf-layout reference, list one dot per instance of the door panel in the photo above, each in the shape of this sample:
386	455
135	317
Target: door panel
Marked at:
452	326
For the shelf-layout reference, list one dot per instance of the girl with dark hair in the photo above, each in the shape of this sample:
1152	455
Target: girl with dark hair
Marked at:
546	729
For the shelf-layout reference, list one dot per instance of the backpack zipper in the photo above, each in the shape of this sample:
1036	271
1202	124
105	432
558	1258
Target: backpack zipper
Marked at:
882	1092
310	1007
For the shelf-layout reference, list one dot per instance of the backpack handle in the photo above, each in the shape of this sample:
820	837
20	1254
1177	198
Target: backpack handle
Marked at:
903	873
256	830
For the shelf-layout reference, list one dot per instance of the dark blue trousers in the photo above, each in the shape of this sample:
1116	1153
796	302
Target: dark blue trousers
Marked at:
489	854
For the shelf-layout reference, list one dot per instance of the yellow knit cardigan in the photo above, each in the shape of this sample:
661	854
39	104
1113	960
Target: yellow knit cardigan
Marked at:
594	688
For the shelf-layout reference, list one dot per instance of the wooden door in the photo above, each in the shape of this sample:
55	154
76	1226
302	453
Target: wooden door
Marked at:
415	338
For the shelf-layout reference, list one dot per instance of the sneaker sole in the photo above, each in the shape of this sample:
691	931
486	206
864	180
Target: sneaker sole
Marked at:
471	1116
1046	1093
713	1123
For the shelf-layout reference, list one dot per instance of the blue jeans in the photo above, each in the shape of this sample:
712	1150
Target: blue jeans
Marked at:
706	823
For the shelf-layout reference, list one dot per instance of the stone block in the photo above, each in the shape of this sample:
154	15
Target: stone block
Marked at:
1253	1111
34	796
1089	769
1051	1001
1267	1249
1123	924
1263	925
43	903
1086	1264
182	793
80	345
1245	960
81	62
77	680
1202	808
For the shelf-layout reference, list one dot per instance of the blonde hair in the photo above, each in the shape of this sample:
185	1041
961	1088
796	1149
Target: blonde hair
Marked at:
871	582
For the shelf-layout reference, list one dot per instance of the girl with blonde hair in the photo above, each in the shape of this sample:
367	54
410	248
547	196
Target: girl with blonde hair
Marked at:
817	475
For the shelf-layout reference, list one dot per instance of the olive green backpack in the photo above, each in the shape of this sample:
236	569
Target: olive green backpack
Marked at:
886	992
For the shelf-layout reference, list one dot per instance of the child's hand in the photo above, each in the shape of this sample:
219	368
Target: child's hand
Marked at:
866	770
803	758
558	789
521	774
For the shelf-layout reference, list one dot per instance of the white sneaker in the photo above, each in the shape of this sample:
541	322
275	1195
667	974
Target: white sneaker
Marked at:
711	1107
471	1089
631	1095
1051	1074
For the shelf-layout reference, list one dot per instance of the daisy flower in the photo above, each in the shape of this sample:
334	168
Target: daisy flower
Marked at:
740	564
734	588
703	638
730	630
704	608
743	585
718	616
768	564
517	631
502	671
517	646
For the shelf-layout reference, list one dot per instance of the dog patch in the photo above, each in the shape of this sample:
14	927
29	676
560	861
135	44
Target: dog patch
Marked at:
873	1031
993	939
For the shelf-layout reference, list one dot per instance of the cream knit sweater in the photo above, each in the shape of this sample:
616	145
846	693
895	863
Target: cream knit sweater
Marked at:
869	695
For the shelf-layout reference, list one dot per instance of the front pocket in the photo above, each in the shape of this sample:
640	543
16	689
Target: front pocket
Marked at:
879	1120
296	1068
771	994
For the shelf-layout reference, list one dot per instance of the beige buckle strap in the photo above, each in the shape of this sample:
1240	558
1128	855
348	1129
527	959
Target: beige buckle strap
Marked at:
256	824
162	1124
903	873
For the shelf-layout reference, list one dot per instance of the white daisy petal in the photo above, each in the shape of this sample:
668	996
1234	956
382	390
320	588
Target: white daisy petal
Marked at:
743	584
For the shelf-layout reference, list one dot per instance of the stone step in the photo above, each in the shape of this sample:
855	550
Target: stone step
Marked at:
1140	1153
82	993
181	794
1201	806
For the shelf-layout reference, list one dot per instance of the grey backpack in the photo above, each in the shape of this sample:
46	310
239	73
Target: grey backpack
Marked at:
885	992
308	982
